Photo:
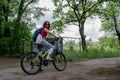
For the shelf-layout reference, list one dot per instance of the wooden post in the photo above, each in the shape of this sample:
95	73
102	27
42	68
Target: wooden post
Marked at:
71	48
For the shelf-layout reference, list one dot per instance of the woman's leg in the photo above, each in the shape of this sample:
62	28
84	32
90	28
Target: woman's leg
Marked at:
48	45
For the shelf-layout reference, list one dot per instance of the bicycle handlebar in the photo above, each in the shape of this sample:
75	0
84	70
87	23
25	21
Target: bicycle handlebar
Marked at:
53	40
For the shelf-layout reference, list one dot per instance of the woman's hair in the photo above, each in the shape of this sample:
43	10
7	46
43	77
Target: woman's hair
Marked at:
45	23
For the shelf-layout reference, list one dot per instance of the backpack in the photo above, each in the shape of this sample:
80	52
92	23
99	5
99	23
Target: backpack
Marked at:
35	34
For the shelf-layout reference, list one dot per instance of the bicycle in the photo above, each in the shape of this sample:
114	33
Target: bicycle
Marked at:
31	62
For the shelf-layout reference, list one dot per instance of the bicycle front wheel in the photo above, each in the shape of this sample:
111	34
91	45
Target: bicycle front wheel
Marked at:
60	62
30	63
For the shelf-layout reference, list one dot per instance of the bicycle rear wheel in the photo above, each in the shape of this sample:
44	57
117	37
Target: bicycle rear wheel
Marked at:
60	62
30	64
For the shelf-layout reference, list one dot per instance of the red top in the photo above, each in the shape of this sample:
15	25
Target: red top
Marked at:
43	33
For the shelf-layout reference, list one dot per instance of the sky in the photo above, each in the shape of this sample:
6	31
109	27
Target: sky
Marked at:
92	26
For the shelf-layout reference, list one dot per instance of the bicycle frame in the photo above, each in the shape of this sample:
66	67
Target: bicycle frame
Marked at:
58	58
42	55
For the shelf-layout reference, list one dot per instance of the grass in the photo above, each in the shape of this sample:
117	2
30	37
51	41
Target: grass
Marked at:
77	55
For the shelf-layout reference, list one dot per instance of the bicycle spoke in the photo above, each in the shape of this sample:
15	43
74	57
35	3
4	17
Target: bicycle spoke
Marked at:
29	63
60	62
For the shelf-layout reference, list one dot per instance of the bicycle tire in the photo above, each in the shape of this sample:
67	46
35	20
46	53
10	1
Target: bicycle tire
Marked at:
25	59
56	62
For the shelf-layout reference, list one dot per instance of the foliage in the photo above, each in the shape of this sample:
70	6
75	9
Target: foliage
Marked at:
58	26
106	47
16	23
110	18
76	12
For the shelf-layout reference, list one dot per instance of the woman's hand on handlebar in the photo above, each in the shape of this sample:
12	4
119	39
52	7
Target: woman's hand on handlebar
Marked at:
57	36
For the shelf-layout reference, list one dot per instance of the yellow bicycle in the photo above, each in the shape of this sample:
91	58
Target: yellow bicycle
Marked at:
31	62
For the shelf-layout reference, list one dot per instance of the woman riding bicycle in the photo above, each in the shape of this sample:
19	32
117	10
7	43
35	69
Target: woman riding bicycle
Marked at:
44	31
31	62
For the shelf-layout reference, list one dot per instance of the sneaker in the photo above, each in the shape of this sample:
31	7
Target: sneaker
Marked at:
49	57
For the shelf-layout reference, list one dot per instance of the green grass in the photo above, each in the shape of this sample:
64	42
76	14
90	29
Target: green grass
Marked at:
76	55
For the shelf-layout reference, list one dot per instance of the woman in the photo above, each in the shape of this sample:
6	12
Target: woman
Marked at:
44	31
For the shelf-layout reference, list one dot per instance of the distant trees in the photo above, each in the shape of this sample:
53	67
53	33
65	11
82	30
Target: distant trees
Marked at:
76	12
111	19
16	22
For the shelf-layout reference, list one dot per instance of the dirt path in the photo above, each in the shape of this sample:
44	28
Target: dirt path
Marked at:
97	69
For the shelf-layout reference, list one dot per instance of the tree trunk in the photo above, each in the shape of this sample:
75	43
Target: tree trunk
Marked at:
5	9
17	25
11	47
81	31
22	8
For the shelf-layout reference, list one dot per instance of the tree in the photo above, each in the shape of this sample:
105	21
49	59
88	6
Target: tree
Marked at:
76	12
4	6
110	18
16	16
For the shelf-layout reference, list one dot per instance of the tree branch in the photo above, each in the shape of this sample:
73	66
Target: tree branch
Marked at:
75	24
94	5
69	20
77	15
78	3
69	4
27	5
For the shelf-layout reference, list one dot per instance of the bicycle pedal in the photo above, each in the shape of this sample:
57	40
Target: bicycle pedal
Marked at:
45	62
41	70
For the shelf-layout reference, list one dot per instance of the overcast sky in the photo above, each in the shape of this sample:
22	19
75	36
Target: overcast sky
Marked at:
92	26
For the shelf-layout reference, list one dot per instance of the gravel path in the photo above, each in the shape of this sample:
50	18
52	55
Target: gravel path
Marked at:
96	69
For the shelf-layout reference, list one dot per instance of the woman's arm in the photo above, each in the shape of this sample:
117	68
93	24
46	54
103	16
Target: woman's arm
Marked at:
46	30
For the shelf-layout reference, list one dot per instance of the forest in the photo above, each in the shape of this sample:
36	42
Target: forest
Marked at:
16	25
